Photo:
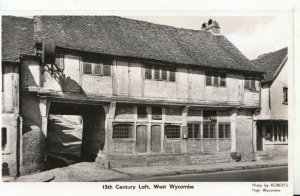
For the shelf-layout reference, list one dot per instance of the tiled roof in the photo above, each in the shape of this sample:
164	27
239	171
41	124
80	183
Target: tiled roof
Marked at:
270	62
123	37
17	37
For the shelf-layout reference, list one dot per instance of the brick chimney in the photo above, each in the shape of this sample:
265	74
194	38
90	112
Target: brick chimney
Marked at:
211	26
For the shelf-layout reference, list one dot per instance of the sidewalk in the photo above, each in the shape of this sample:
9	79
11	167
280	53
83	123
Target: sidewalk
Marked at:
147	172
90	172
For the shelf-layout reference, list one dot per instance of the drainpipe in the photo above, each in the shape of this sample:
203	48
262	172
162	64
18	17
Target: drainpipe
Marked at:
252	134
19	144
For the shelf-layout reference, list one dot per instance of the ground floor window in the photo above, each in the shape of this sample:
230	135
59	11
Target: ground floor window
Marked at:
172	131
3	137
193	130
276	133
209	130
122	131
224	130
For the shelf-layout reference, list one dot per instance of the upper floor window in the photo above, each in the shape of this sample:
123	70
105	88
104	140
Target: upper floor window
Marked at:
156	113
209	115
59	61
158	73
213	79
142	112
249	84
285	95
96	66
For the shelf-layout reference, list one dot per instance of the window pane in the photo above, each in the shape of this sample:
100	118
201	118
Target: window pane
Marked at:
285	95
227	131
269	133
3	137
156	113
59	61
190	131
216	80
122	131
172	76
223	80
208	79
247	84
196	131
97	69
156	74
221	131
172	131
212	132
275	133
142	112
148	72
87	68
106	70
164	75
205	130
253	85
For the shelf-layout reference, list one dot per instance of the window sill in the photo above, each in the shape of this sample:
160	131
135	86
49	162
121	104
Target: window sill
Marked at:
156	80
277	143
124	139
215	86
254	91
285	103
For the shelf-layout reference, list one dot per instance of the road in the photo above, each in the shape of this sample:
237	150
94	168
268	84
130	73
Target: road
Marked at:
251	175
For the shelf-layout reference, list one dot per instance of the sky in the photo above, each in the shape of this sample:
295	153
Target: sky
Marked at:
252	35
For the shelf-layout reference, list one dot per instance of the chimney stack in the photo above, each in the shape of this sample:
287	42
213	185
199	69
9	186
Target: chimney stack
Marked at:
212	26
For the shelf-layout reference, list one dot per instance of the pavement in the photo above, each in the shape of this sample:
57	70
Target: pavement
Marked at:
91	172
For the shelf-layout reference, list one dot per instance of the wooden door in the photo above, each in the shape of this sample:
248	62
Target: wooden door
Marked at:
141	138
259	138
156	138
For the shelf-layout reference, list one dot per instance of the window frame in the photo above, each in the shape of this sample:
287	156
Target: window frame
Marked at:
223	125
98	64
174	125
152	115
4	147
123	138
285	95
154	72
193	130
215	79
251	84
143	116
281	133
209	130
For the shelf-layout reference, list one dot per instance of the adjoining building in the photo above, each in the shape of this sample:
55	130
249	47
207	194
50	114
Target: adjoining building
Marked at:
148	94
272	122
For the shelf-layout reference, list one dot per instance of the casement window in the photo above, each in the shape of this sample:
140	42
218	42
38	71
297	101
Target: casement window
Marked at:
156	113
209	130
224	130
96	66
285	95
276	133
87	68
215	79
59	61
142	112
172	131
193	130
249	84
3	137
148	72
158	73
209	115
122	131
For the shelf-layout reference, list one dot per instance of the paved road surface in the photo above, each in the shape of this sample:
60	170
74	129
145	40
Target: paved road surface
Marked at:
250	175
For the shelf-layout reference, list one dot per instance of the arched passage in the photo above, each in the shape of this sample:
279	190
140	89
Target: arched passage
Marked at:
93	127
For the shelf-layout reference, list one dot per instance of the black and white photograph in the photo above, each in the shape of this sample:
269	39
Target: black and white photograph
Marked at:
143	100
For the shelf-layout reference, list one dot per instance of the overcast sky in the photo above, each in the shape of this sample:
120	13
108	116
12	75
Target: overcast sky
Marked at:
252	35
